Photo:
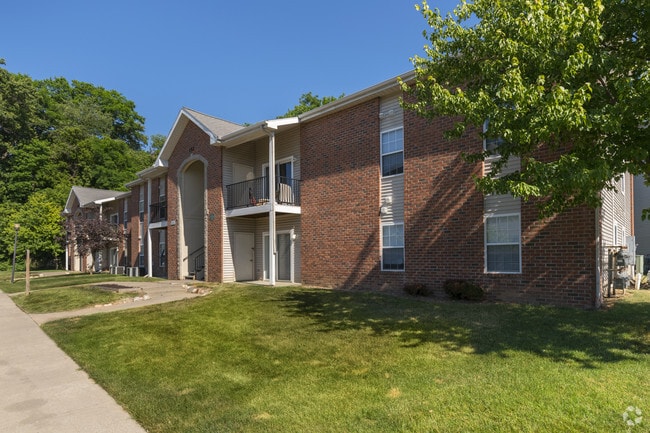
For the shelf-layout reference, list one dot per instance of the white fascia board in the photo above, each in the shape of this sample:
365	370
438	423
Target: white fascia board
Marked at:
277	123
104	200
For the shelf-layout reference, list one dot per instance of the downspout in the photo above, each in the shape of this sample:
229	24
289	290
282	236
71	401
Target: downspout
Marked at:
149	255
272	228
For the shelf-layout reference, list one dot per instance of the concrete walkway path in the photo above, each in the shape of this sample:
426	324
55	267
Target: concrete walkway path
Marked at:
43	390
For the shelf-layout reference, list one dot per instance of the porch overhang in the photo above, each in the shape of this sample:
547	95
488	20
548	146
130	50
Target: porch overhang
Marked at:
256	131
262	210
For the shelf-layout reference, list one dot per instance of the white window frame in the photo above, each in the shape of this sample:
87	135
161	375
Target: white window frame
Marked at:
114	218
394	152
393	247
486	244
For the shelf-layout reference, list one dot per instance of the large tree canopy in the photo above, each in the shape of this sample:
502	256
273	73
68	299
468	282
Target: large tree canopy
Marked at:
564	85
55	134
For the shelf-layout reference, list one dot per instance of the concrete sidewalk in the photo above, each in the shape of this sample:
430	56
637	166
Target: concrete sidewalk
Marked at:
43	390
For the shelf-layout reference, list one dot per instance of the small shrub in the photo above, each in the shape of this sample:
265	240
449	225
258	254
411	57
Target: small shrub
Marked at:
416	289
461	289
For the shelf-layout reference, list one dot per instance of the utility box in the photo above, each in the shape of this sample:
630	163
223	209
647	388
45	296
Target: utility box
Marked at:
624	258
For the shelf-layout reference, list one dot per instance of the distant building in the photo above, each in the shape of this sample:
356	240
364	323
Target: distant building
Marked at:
641	227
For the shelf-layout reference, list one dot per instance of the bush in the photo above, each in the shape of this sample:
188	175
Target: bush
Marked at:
416	289
461	289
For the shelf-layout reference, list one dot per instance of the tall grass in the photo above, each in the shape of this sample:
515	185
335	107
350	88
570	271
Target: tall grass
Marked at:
260	359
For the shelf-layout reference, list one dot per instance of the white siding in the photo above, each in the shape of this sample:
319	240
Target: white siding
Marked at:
392	197
514	164
391	114
501	204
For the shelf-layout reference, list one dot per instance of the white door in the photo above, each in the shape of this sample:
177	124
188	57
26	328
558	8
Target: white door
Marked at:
283	259
244	252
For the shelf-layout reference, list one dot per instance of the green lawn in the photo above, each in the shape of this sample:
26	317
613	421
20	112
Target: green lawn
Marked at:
292	359
59	280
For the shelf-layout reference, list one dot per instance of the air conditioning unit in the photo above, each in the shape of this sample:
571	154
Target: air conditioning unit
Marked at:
119	270
133	272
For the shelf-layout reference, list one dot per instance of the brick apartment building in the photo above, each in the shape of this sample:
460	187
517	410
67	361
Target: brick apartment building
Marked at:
356	194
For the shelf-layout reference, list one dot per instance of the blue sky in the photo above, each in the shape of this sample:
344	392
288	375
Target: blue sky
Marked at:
240	61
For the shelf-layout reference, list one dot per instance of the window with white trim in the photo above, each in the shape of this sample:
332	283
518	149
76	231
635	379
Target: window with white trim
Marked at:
392	253
392	152
503	244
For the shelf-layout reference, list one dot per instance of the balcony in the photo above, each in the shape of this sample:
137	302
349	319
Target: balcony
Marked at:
158	212
255	193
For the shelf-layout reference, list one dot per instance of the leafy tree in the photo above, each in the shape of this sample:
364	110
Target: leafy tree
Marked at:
41	229
308	102
565	86
156	143
95	110
92	236
107	163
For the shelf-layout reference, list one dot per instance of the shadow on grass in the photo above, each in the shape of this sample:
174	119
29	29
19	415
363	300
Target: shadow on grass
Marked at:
585	338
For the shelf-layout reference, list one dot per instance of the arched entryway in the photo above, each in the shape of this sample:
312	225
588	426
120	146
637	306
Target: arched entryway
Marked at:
192	224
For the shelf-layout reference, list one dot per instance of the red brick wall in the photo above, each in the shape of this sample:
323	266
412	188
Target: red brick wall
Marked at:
443	211
133	227
193	144
444	228
340	199
444	232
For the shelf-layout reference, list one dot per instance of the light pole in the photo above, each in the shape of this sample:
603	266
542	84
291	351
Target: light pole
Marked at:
13	266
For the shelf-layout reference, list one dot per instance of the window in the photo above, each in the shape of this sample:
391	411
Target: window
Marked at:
162	248
162	198
503	244
141	246
126	212
491	144
392	152
141	203
392	257
115	219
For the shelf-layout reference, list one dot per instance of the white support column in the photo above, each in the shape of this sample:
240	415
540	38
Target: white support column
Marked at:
272	235
149	252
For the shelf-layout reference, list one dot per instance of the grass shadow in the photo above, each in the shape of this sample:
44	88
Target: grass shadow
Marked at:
581	337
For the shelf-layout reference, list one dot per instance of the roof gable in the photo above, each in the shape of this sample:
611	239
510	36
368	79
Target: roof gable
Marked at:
214	128
89	196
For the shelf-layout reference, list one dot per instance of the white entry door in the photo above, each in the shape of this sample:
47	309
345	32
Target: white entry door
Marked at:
283	259
244	256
